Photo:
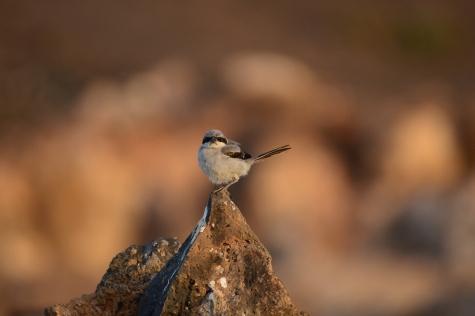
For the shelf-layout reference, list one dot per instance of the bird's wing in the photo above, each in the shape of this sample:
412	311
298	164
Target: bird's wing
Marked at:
233	151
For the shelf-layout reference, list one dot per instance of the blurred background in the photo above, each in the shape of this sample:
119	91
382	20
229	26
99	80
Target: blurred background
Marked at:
103	106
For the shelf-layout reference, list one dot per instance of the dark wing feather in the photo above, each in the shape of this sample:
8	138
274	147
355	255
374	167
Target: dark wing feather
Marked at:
238	155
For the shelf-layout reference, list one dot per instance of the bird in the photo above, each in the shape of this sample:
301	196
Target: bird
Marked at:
224	163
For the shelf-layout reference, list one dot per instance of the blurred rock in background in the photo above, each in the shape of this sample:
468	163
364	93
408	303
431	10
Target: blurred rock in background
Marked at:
103	107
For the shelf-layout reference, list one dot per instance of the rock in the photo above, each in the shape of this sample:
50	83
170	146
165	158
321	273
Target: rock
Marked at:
124	283
227	271
221	269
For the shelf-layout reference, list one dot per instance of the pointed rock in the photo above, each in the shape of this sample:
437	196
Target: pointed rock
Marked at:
221	269
227	271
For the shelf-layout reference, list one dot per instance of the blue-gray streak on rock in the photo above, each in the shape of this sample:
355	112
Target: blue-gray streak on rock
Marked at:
156	294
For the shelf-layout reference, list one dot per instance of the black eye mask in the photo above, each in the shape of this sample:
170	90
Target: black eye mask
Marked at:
219	139
206	139
222	140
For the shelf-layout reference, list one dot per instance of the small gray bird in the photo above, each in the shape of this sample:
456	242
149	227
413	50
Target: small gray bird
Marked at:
224	163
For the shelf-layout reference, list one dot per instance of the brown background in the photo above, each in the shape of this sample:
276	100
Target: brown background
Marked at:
103	106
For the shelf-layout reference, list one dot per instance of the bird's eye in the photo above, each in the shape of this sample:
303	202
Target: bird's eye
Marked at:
206	139
222	140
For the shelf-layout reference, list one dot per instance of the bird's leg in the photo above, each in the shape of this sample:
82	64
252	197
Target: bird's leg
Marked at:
229	184
225	187
218	189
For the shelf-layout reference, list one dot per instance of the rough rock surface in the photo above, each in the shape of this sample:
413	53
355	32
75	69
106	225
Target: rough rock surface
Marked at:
124	283
227	272
221	269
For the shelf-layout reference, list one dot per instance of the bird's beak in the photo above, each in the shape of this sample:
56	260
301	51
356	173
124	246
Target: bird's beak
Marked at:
213	139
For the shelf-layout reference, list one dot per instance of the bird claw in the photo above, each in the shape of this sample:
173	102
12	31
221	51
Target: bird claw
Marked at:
221	189
224	187
218	189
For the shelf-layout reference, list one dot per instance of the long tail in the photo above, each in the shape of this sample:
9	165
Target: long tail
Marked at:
271	153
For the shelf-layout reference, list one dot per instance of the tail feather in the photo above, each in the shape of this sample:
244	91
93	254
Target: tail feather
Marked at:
272	153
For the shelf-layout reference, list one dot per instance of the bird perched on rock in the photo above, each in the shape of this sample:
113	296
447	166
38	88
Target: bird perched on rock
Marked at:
224	163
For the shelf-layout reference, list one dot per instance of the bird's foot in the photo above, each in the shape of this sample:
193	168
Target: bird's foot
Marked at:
222	189
218	189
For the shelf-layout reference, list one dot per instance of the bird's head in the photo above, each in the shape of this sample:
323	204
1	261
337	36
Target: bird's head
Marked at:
214	139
